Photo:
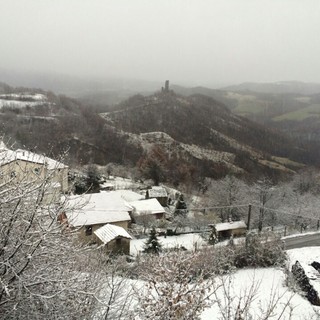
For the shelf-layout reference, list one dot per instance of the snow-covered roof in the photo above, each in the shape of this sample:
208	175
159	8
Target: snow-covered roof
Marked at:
97	208
110	232
151	206
3	147
7	156
106	185
54	164
230	225
130	196
156	192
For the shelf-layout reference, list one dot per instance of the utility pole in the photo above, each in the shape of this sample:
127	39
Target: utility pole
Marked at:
249	217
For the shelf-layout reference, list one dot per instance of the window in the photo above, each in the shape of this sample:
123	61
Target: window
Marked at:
36	170
88	230
13	174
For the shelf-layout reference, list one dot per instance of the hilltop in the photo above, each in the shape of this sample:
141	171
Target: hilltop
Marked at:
204	130
190	137
280	87
57	125
291	107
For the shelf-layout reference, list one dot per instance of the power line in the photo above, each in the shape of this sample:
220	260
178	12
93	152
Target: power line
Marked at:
218	207
288	213
256	206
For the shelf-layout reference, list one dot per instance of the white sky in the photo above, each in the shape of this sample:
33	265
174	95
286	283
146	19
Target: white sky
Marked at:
194	42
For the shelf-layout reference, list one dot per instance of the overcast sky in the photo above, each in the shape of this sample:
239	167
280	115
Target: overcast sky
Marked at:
195	42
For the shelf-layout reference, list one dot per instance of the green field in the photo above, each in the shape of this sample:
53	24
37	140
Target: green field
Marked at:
249	106
300	115
287	162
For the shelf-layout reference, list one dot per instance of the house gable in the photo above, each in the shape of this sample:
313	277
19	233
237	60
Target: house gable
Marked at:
110	232
25	166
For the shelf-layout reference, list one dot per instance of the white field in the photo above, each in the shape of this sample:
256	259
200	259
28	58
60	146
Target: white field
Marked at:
16	100
269	282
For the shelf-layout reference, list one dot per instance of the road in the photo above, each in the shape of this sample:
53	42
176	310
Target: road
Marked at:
303	240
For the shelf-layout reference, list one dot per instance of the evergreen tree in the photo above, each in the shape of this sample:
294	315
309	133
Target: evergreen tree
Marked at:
93	178
181	206
152	245
213	238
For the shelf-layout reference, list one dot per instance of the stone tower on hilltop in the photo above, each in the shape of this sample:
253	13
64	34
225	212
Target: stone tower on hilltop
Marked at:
166	87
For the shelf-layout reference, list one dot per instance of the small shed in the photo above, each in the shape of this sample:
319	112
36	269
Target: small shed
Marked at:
129	195
233	228
115	239
107	186
159	193
150	207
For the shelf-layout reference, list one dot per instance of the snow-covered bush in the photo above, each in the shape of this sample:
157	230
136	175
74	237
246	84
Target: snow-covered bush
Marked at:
173	288
259	252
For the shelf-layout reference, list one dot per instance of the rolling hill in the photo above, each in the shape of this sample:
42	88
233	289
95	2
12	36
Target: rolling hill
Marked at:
280	87
203	130
194	137
291	107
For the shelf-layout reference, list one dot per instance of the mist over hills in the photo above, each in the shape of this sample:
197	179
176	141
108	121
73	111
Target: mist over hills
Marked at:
292	107
198	120
198	133
280	87
111	89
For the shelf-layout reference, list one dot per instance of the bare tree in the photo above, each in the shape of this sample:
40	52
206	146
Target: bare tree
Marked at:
228	192
181	285
41	273
296	209
144	218
152	165
113	290
173	288
243	306
264	196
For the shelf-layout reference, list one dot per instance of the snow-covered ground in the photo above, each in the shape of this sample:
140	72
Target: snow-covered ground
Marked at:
19	104
306	256
188	241
19	96
120	183
22	100
268	282
270	285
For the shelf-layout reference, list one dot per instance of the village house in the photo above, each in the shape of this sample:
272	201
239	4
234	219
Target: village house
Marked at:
227	229
150	207
158	193
115	239
87	213
129	195
22	166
